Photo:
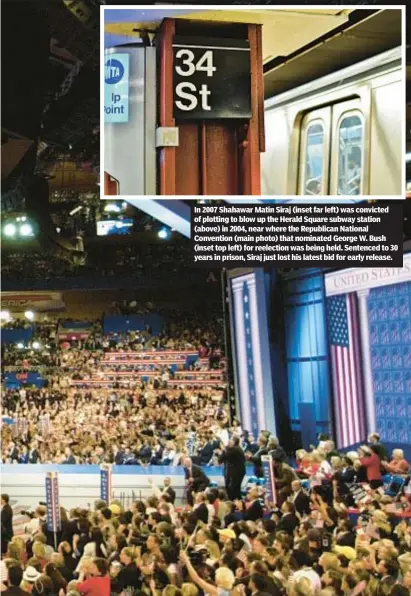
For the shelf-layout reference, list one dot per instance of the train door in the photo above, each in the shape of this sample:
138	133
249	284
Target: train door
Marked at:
347	149
332	150
314	166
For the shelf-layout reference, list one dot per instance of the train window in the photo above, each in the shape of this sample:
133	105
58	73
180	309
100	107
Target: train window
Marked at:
314	158
350	152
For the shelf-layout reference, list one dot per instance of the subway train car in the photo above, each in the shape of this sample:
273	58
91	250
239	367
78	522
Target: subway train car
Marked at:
341	134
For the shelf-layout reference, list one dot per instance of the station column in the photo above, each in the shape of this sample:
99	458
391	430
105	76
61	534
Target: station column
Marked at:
211	102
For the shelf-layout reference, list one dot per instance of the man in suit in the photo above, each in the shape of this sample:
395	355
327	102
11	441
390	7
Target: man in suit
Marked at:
118	456
256	458
254	510
197	481
168	490
300	499
276	451
6	523
233	459
289	520
68	457
13	453
284	477
207	451
34	455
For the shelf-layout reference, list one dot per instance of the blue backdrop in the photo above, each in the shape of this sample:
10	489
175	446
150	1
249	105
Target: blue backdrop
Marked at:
389	315
306	350
14	380
15	336
122	324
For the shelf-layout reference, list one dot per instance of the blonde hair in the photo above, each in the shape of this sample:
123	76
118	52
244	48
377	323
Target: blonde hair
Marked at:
14	551
317	456
171	591
224	578
329	561
303	587
189	589
399	453
336	462
38	550
213	549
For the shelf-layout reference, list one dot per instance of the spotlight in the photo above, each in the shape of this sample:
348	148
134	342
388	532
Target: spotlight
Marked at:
29	314
164	233
112	208
26	230
4	315
36	345
10	230
20	346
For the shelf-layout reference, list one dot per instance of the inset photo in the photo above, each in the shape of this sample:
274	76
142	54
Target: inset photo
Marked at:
273	102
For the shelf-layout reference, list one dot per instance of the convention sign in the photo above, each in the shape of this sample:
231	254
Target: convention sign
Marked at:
53	502
106	484
268	469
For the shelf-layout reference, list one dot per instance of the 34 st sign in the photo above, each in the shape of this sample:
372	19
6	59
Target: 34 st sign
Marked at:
211	79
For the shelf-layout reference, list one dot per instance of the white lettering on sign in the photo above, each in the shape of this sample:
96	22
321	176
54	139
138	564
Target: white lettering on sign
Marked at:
204	64
111	71
189	93
192	99
354	280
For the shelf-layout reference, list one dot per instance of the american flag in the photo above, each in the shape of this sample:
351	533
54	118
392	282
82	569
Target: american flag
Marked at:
44	425
250	359
242	556
53	502
344	333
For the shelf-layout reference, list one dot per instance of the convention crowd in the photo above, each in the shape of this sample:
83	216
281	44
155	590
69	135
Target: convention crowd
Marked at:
128	259
328	526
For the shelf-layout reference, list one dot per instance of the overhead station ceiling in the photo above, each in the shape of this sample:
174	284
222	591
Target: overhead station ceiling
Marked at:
369	34
284	31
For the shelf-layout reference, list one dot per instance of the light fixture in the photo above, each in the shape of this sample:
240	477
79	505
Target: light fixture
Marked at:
164	233
20	346
112	208
29	314
36	345
26	230
4	315
10	230
76	209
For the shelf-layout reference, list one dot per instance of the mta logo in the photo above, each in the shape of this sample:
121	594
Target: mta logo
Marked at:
113	71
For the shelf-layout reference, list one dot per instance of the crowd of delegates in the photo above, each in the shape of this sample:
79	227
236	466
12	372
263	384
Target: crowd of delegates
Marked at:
144	422
220	543
123	259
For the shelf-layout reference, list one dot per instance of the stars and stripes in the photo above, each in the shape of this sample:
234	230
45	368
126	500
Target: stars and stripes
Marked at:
44	425
268	469
53	502
106	489
344	334
250	360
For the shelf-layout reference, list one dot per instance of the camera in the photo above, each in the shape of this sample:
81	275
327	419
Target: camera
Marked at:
29	514
197	557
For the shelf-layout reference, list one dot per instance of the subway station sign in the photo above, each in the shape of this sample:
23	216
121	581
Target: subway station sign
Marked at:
211	78
116	87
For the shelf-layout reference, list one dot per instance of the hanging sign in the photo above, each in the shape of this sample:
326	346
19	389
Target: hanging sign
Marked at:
211	78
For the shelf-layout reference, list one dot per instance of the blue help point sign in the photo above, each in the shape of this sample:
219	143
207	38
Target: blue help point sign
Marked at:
116	87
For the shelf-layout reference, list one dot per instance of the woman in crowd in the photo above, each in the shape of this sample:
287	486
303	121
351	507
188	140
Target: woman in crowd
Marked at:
398	463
